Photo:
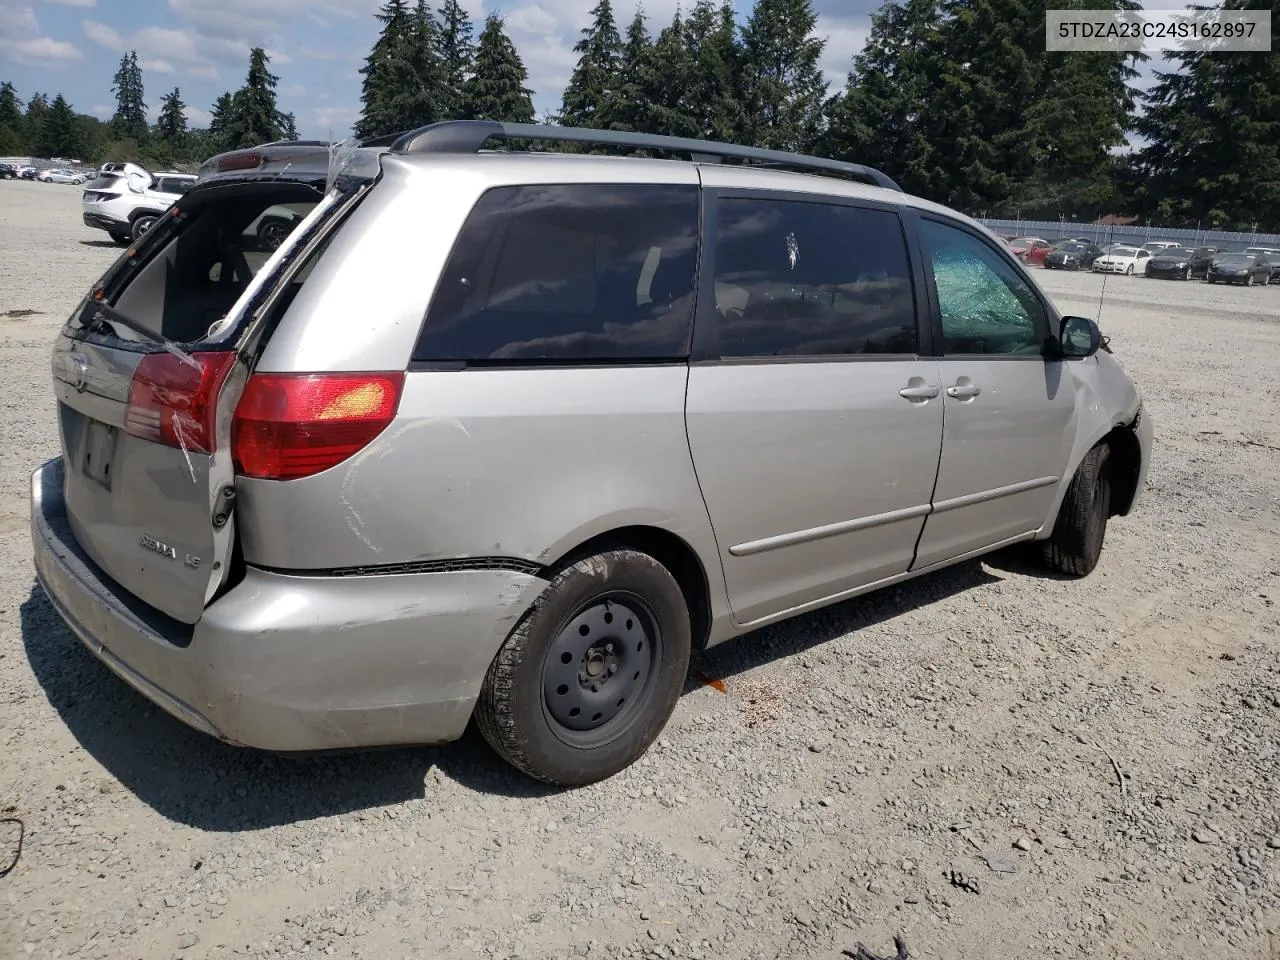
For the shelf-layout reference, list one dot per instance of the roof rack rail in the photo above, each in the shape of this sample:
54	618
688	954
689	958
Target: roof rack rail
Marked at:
468	136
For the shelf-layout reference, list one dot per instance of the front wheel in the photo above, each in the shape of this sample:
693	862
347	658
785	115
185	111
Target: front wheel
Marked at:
588	678
1248	280
1186	274
1076	543
121	238
1129	271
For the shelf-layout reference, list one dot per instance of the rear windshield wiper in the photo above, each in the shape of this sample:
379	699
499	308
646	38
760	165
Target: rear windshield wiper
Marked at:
100	322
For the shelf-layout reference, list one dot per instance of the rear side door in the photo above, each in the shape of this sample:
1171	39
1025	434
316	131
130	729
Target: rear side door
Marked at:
814	422
1009	404
148	475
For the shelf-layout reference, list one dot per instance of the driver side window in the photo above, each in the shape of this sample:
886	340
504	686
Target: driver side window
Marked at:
986	307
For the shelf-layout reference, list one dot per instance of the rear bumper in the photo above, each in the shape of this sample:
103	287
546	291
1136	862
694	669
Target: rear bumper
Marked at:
101	221
292	663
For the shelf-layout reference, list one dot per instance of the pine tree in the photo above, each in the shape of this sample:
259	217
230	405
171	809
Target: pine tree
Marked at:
457	57
171	125
403	74
288	126
384	69
496	90
130	119
12	135
876	120
665	86
219	118
594	79
33	119
628	107
1213	127
59	133
253	117
784	89
713	83
423	101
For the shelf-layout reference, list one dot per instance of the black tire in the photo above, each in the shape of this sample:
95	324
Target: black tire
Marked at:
1129	271
1076	543
121	238
1186	274
141	224
1248	280
521	690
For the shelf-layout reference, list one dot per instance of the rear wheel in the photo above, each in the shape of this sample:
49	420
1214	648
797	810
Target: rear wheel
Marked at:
121	238
1076	543
590	675
142	224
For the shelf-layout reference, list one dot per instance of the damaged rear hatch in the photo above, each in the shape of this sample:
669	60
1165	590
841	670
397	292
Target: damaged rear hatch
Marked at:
148	370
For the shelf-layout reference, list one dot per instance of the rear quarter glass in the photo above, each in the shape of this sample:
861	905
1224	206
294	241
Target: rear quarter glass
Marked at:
568	272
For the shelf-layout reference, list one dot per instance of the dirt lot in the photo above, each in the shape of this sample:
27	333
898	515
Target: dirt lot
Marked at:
1097	761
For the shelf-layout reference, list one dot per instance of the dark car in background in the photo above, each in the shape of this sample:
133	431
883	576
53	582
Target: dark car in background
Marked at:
1200	259
1072	255
1245	268
1273	257
1171	264
8	171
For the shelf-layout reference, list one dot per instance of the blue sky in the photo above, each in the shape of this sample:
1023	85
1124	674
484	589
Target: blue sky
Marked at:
317	47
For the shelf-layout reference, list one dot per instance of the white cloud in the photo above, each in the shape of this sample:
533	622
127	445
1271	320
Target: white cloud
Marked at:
103	111
335	121
22	41
102	35
197	117
846	36
82	4
157	66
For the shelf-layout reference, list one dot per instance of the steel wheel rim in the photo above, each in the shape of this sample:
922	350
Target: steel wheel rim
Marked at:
595	683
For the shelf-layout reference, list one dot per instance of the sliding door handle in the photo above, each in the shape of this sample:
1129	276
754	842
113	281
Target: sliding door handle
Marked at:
925	392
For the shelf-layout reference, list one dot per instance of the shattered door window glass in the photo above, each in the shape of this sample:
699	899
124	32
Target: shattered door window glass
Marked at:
986	308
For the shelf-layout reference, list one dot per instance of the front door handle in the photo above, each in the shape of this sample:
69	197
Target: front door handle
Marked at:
923	392
963	391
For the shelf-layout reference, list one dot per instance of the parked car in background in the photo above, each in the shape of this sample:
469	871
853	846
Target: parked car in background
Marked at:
1273	257
8	171
1127	260
1072	255
1155	246
27	173
1173	263
1030	249
60	175
125	203
341	500
1200	259
1243	268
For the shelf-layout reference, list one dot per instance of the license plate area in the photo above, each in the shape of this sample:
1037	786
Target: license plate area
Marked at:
99	451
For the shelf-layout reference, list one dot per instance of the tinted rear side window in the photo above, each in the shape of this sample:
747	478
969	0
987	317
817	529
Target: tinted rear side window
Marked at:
800	279
569	272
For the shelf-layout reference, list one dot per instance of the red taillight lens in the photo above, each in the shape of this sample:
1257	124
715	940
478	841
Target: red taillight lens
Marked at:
240	161
294	425
174	402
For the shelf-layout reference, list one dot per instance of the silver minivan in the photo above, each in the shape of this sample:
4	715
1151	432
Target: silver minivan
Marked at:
509	435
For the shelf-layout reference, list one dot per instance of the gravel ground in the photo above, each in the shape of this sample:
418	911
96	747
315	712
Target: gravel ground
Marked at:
988	762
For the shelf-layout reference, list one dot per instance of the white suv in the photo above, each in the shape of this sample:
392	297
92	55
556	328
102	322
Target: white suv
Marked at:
125	202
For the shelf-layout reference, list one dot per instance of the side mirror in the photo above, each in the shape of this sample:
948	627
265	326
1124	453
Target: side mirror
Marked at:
1079	338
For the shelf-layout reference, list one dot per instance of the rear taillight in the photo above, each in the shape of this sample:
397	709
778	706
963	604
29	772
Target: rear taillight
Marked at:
174	402
295	425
